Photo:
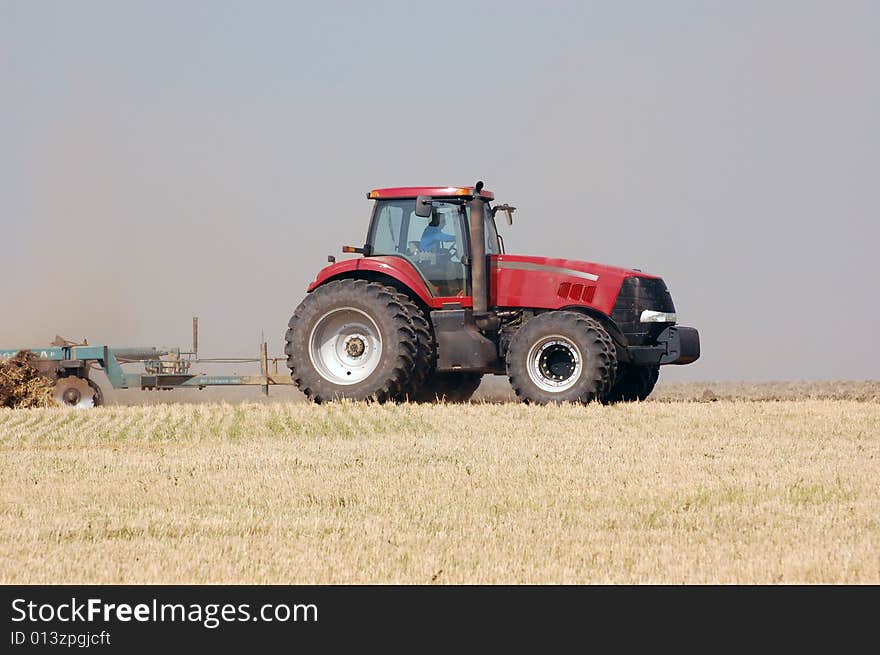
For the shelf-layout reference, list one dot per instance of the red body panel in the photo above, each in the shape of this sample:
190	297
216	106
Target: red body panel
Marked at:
545	283
514	281
331	271
436	191
396	267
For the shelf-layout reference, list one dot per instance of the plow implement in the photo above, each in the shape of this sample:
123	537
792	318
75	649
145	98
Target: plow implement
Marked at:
67	367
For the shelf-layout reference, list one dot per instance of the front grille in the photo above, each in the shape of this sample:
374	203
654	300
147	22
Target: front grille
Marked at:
636	295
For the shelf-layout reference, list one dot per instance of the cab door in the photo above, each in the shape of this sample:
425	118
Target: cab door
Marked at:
437	245
434	245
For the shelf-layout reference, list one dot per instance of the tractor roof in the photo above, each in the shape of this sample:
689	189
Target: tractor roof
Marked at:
436	191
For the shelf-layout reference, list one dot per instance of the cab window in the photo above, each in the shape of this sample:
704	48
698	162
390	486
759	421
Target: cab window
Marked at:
434	245
386	228
492	246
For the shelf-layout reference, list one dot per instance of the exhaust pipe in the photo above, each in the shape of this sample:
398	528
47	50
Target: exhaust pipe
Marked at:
479	281
479	287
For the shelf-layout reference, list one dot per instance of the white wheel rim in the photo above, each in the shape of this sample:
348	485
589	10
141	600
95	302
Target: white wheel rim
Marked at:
345	346
554	364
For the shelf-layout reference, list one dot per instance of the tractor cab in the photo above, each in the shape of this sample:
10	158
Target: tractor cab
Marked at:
429	227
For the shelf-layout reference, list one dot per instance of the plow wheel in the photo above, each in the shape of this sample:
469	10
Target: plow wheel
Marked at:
99	395
76	392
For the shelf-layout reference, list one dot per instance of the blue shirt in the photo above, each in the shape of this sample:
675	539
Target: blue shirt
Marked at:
432	237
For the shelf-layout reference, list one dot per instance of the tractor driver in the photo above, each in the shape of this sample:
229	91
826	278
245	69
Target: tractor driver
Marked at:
433	234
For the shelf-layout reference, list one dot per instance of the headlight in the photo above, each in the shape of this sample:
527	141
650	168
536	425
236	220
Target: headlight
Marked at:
650	316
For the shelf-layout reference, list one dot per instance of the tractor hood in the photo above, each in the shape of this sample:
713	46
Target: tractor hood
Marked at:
553	283
575	267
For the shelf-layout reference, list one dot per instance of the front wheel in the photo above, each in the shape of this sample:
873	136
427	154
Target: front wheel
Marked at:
561	356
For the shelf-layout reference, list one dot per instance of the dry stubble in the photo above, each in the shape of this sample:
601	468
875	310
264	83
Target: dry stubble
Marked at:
499	493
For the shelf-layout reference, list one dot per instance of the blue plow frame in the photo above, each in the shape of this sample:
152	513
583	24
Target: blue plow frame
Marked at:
108	359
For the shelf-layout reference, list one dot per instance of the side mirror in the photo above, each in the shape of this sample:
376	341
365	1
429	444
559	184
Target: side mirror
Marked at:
423	206
507	209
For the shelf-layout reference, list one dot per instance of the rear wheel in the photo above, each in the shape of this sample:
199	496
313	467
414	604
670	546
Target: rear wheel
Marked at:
353	339
426	353
633	383
450	386
561	357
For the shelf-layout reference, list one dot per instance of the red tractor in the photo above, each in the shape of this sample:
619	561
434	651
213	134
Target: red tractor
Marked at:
435	303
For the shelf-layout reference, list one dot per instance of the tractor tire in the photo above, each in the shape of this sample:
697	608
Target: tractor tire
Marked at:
426	352
450	387
353	339
633	383
561	356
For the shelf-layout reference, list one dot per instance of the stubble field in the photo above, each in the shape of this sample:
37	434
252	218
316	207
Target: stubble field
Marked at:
658	492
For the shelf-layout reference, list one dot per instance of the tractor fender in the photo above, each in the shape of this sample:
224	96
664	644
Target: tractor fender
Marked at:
396	269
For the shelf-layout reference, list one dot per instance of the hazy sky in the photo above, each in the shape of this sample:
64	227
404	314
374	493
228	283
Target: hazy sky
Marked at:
165	159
